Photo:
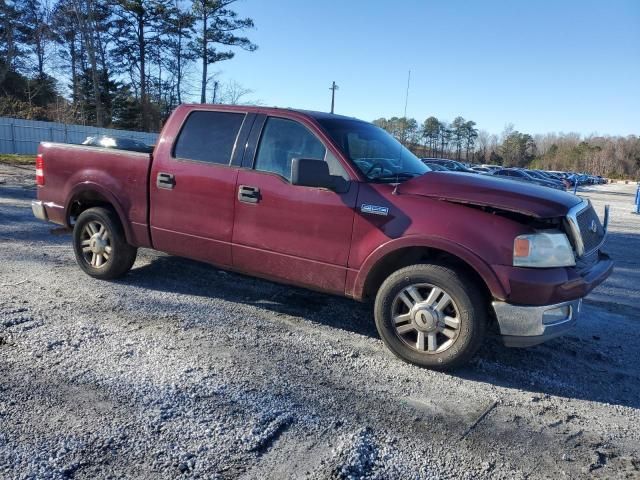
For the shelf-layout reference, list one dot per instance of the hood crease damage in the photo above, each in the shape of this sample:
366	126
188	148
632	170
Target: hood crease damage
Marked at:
496	193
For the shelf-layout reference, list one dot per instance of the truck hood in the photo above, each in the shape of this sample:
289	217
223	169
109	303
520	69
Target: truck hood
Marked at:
486	191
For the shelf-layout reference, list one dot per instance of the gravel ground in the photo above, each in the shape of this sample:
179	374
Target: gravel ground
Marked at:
182	370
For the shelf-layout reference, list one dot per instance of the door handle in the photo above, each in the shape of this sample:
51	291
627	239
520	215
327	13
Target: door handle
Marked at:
165	180
248	194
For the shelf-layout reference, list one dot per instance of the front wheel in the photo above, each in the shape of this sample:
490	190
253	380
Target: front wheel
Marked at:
431	315
100	245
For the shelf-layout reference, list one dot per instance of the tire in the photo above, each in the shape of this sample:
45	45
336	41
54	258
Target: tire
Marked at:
100	245
445	325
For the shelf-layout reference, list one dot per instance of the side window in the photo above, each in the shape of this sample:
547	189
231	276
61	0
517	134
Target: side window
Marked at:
208	136
283	140
335	167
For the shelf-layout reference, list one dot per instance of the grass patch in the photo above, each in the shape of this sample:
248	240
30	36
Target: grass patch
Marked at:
18	159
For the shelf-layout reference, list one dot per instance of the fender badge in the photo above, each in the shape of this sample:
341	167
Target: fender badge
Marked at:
374	209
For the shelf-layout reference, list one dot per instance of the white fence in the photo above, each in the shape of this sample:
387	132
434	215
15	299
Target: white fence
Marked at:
23	136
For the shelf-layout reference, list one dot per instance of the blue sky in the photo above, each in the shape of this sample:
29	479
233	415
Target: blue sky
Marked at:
545	66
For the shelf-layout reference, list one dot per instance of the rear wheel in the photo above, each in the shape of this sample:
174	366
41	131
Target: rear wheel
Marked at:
431	315
100	245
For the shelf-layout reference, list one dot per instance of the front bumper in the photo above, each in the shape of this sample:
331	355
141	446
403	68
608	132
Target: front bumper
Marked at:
546	286
524	326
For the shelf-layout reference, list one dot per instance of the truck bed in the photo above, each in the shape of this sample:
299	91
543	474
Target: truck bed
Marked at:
120	176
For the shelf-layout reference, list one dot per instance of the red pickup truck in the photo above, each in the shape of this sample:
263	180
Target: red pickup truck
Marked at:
336	204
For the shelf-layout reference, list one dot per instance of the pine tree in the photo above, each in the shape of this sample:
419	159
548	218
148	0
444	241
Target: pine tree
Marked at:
37	32
179	30
138	25
218	25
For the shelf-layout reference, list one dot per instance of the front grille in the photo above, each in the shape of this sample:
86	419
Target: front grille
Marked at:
591	237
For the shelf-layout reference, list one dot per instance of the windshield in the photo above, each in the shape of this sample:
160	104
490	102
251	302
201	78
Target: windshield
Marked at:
379	156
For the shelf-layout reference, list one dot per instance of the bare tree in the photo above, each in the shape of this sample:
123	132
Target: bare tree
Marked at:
483	143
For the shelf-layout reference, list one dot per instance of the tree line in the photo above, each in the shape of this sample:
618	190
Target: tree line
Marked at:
610	156
124	63
434	138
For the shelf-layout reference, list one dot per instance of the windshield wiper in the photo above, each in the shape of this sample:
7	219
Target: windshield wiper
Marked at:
394	176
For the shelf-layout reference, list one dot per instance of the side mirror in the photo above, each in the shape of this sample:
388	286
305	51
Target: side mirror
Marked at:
308	172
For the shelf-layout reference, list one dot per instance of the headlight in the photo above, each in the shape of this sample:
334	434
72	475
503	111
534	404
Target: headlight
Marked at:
543	250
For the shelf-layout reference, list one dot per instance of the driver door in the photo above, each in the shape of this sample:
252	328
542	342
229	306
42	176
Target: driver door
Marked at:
290	233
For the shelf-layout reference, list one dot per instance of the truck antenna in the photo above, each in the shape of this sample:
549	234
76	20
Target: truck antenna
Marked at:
406	98
404	123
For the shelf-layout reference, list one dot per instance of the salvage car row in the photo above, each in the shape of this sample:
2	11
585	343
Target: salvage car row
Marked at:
546	178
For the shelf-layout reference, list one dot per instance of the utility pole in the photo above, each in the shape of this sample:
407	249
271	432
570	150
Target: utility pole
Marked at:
333	89
215	90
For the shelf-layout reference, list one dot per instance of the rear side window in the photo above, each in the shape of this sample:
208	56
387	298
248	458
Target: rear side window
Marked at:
283	140
209	137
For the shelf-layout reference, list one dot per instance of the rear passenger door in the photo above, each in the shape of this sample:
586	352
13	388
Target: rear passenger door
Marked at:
193	185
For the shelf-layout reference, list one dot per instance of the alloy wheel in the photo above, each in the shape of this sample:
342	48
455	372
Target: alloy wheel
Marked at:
426	318
95	242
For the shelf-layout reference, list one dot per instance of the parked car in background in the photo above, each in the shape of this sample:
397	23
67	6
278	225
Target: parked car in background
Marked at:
452	165
577	178
522	176
543	176
556	176
436	167
570	179
558	173
119	143
562	177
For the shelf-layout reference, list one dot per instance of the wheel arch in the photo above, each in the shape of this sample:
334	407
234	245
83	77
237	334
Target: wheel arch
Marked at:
89	195
408	251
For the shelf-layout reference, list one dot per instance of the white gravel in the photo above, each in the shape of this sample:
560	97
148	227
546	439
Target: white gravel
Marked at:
180	370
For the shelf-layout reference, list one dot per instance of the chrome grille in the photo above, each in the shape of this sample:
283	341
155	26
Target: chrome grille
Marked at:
590	229
585	229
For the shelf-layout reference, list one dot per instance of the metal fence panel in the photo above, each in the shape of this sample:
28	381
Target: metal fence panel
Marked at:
23	136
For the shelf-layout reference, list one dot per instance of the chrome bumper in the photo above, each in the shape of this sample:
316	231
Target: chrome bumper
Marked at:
38	210
524	326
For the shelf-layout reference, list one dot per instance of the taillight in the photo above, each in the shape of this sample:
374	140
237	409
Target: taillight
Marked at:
39	170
